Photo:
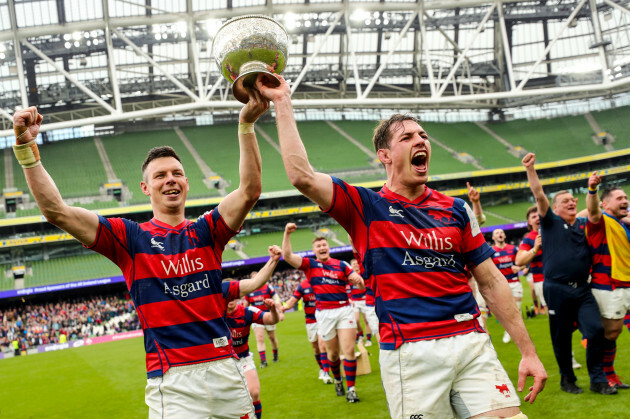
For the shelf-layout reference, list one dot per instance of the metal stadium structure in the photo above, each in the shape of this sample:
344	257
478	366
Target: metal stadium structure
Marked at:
97	62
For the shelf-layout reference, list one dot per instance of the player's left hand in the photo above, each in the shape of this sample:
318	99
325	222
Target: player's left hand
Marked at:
531	366
473	194
256	106
594	180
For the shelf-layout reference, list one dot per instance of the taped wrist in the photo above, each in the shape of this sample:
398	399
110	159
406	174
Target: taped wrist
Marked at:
27	154
246	128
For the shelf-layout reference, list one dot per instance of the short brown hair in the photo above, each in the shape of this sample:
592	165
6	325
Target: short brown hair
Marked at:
607	191
157	153
382	134
529	211
319	238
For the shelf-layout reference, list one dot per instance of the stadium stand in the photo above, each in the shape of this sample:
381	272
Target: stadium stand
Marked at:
617	123
67	269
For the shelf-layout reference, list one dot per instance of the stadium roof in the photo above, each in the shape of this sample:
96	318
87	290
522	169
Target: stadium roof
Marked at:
101	61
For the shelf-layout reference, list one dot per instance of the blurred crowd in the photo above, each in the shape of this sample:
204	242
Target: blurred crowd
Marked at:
32	325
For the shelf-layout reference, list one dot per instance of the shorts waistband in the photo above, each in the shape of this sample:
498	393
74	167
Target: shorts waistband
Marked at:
199	366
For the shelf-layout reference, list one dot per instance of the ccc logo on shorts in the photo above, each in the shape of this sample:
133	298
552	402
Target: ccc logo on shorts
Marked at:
418	416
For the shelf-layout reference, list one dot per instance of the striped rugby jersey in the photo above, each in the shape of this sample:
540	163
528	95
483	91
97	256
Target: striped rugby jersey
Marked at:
328	280
305	292
416	253
174	278
536	265
240	321
611	264
504	260
369	292
257	298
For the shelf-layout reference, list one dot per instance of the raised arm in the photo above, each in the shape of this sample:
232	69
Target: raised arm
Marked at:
247	286
235	206
592	200
542	203
475	200
498	296
79	222
287	251
316	186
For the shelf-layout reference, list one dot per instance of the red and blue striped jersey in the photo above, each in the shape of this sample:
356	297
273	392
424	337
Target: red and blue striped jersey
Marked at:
611	264
257	298
356	294
416	253
504	260
174	278
240	321
328	280
536	265
369	292
305	292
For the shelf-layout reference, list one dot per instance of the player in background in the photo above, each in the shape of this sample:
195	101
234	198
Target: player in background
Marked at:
240	318
370	299
358	298
475	199
335	318
609	239
305	291
257	299
172	267
530	253
504	257
427	326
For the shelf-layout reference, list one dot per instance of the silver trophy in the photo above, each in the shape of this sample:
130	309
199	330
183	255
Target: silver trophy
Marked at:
248	45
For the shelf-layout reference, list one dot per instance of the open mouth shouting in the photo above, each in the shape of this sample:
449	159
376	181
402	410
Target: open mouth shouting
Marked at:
419	161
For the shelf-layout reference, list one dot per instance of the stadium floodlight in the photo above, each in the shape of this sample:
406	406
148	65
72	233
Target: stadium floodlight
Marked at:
360	15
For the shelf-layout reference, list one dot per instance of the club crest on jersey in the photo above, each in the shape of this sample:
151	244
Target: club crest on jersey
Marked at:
156	244
395	213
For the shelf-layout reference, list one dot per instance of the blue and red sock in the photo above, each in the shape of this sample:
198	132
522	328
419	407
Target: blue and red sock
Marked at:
258	409
318	358
325	364
350	368
263	356
335	367
610	351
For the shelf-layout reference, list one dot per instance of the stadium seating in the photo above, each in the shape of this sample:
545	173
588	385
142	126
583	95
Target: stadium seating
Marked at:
127	152
73	268
616	122
551	139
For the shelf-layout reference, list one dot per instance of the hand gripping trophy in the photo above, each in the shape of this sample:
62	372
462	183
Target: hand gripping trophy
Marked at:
248	45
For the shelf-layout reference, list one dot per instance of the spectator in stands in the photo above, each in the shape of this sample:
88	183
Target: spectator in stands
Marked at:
609	238
165	262
418	239
566	267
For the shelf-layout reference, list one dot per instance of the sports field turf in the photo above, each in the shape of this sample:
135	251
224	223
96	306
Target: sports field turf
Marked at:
107	380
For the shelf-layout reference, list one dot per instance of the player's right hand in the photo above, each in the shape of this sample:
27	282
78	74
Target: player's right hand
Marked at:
529	160
274	252
256	106
269	90
290	228
26	124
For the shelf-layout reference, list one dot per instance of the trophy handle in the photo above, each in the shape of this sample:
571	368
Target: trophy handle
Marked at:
247	78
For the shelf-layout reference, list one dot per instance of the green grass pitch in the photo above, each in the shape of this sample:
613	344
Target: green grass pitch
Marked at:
108	380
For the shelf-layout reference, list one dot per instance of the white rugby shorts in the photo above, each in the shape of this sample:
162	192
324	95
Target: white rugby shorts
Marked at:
372	318
538	290
359	306
311	332
268	327
457	376
517	289
613	304
206	390
329	320
247	363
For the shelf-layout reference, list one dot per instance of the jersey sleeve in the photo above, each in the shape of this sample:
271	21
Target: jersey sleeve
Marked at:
219	234
299	292
112	239
254	315
305	266
526	244
347	269
348	209
231	290
593	229
272	291
474	246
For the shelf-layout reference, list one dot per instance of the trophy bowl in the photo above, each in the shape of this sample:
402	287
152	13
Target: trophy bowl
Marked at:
248	45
